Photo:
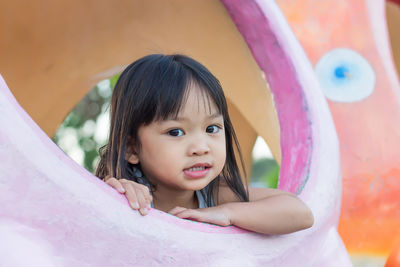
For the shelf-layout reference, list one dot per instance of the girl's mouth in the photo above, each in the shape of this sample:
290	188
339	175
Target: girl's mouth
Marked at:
197	171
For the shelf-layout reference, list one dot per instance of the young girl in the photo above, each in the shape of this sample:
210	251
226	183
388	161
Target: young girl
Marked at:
171	147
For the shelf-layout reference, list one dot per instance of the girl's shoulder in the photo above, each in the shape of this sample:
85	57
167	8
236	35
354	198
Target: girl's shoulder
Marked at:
224	194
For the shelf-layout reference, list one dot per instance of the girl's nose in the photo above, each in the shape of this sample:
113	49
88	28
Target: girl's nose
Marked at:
198	147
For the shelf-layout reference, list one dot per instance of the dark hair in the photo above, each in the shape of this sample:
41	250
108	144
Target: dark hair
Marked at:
153	88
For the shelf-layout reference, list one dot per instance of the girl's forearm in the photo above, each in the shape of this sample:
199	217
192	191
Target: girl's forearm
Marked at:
281	214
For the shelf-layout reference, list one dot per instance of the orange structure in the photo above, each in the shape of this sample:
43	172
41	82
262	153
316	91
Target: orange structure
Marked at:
368	129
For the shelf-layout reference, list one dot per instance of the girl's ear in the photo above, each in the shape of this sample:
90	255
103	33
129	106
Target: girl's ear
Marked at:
130	154
132	158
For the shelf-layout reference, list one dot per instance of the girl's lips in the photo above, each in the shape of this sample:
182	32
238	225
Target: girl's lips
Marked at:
195	174
197	170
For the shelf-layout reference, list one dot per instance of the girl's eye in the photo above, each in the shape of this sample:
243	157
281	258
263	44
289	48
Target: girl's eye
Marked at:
213	129
175	132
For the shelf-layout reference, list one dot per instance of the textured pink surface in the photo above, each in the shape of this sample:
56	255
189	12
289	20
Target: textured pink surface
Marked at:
296	138
54	213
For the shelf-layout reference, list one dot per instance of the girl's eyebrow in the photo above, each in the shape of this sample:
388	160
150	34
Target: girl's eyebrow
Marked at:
212	116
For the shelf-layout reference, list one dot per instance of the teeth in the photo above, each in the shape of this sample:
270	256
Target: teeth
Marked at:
197	169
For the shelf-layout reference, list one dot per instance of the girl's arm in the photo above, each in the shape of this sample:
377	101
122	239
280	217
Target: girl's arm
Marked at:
270	211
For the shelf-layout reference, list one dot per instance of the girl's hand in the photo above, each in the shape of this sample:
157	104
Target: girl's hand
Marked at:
138	195
215	215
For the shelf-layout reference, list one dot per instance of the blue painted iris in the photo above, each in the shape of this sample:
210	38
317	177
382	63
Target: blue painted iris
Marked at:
345	76
340	72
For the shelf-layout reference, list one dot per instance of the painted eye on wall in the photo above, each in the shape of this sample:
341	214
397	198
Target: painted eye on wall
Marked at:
345	76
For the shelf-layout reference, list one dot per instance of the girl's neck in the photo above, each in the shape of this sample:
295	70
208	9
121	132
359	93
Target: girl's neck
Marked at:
166	199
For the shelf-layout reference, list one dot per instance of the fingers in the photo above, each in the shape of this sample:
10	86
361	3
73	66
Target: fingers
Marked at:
176	210
113	182
184	213
206	215
142	203
131	196
144	196
190	214
146	193
138	195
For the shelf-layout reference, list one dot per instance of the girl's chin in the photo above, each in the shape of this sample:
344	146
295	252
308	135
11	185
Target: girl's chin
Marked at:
196	185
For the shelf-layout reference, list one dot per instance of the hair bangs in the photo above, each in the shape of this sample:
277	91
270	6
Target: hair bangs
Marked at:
173	94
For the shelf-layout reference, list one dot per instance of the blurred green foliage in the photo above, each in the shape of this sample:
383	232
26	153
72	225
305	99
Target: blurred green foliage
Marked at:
80	125
265	173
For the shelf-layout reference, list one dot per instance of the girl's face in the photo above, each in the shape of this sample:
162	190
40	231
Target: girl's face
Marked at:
186	153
